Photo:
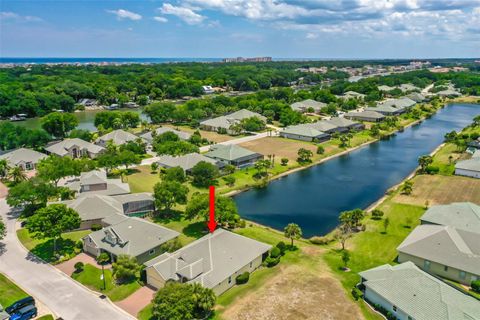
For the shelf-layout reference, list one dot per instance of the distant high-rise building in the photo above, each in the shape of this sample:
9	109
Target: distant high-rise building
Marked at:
241	59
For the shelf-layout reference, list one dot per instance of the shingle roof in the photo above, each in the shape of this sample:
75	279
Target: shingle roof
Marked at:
323	126
382	108
385	88
446	245
352	94
135	236
470	164
309	103
341	122
229	152
114	186
462	215
118	137
401	103
210	259
61	147
366	114
304	130
94	206
219	122
181	134
449	92
408	87
417	97
20	155
244	114
186	162
419	294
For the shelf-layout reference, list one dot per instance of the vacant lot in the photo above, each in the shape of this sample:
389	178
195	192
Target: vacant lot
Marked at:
280	147
438	189
209	135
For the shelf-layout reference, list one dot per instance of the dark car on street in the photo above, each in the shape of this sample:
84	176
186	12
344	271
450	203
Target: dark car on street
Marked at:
20	304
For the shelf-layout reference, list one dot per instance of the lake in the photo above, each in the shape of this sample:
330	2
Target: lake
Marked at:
314	197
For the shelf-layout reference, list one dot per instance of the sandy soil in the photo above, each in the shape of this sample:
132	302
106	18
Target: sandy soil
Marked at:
280	147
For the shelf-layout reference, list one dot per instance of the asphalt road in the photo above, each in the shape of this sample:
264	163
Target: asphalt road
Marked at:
63	296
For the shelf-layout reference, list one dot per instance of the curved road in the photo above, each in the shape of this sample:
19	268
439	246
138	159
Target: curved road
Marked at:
62	295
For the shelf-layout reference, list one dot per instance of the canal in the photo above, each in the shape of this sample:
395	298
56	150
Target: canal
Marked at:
314	197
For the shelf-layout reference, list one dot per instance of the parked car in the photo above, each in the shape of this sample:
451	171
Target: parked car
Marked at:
20	304
3	314
25	313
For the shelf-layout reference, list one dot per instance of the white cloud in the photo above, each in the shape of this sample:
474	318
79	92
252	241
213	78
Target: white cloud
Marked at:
12	16
184	13
160	19
311	35
125	14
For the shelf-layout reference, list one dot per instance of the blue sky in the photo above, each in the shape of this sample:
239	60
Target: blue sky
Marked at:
225	28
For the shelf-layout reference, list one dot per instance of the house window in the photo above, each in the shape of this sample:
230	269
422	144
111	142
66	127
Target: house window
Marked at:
426	265
151	252
395	308
229	280
462	274
251	263
474	278
445	268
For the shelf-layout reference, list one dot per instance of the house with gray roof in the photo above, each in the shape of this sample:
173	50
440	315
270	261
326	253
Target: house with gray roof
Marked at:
304	133
325	126
224	123
245	114
186	162
402	104
352	95
135	237
96	181
461	215
417	97
385	88
448	93
444	251
149	135
406	87
470	167
370	116
27	159
74	148
385	110
233	154
345	123
409	293
305	105
117	137
214	261
94	208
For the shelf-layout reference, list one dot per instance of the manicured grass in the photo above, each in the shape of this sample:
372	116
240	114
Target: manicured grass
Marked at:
46	317
9	292
91	277
445	159
146	313
143	179
373	247
44	248
189	230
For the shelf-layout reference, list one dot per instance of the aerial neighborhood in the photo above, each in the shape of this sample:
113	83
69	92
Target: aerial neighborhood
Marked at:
167	202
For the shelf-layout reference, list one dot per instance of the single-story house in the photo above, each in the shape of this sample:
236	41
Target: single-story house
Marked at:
402	104
448	93
475	144
470	167
385	88
443	250
405	87
94	208
26	159
304	133
233	154
226	121
461	215
135	237
245	114
117	137
186	162
96	181
181	134
214	261
417	97
409	293
352	95
325	126
304	105
346	123
386	110
208	89
75	148
87	102
370	116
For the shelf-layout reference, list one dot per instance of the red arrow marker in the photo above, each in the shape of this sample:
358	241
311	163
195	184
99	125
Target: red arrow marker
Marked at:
212	224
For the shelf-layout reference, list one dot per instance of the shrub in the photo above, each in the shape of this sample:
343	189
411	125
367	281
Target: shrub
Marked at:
357	293
242	224
284	161
78	267
320	240
96	227
275	252
320	150
271	262
377	214
432	169
476	286
282	246
243	278
79	244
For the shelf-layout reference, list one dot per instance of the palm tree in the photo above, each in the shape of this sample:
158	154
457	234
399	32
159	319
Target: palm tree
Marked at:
102	260
4	167
17	174
203	298
293	231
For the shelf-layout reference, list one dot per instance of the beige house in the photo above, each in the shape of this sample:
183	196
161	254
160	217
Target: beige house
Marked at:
75	148
96	181
445	251
26	159
117	137
214	261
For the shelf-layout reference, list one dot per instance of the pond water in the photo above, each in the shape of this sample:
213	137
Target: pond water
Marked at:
314	197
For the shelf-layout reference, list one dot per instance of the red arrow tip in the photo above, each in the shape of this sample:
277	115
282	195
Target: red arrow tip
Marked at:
212	225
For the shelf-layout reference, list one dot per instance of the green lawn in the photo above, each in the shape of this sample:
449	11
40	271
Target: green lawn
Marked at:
9	292
145	313
91	277
44	248
189	230
442	159
46	317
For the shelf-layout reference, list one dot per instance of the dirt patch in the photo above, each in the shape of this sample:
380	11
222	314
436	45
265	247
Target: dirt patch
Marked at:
280	147
294	294
439	189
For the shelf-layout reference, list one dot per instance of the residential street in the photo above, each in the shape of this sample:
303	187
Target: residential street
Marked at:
65	297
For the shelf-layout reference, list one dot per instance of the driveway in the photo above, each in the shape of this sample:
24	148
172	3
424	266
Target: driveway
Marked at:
68	267
134	303
65	297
